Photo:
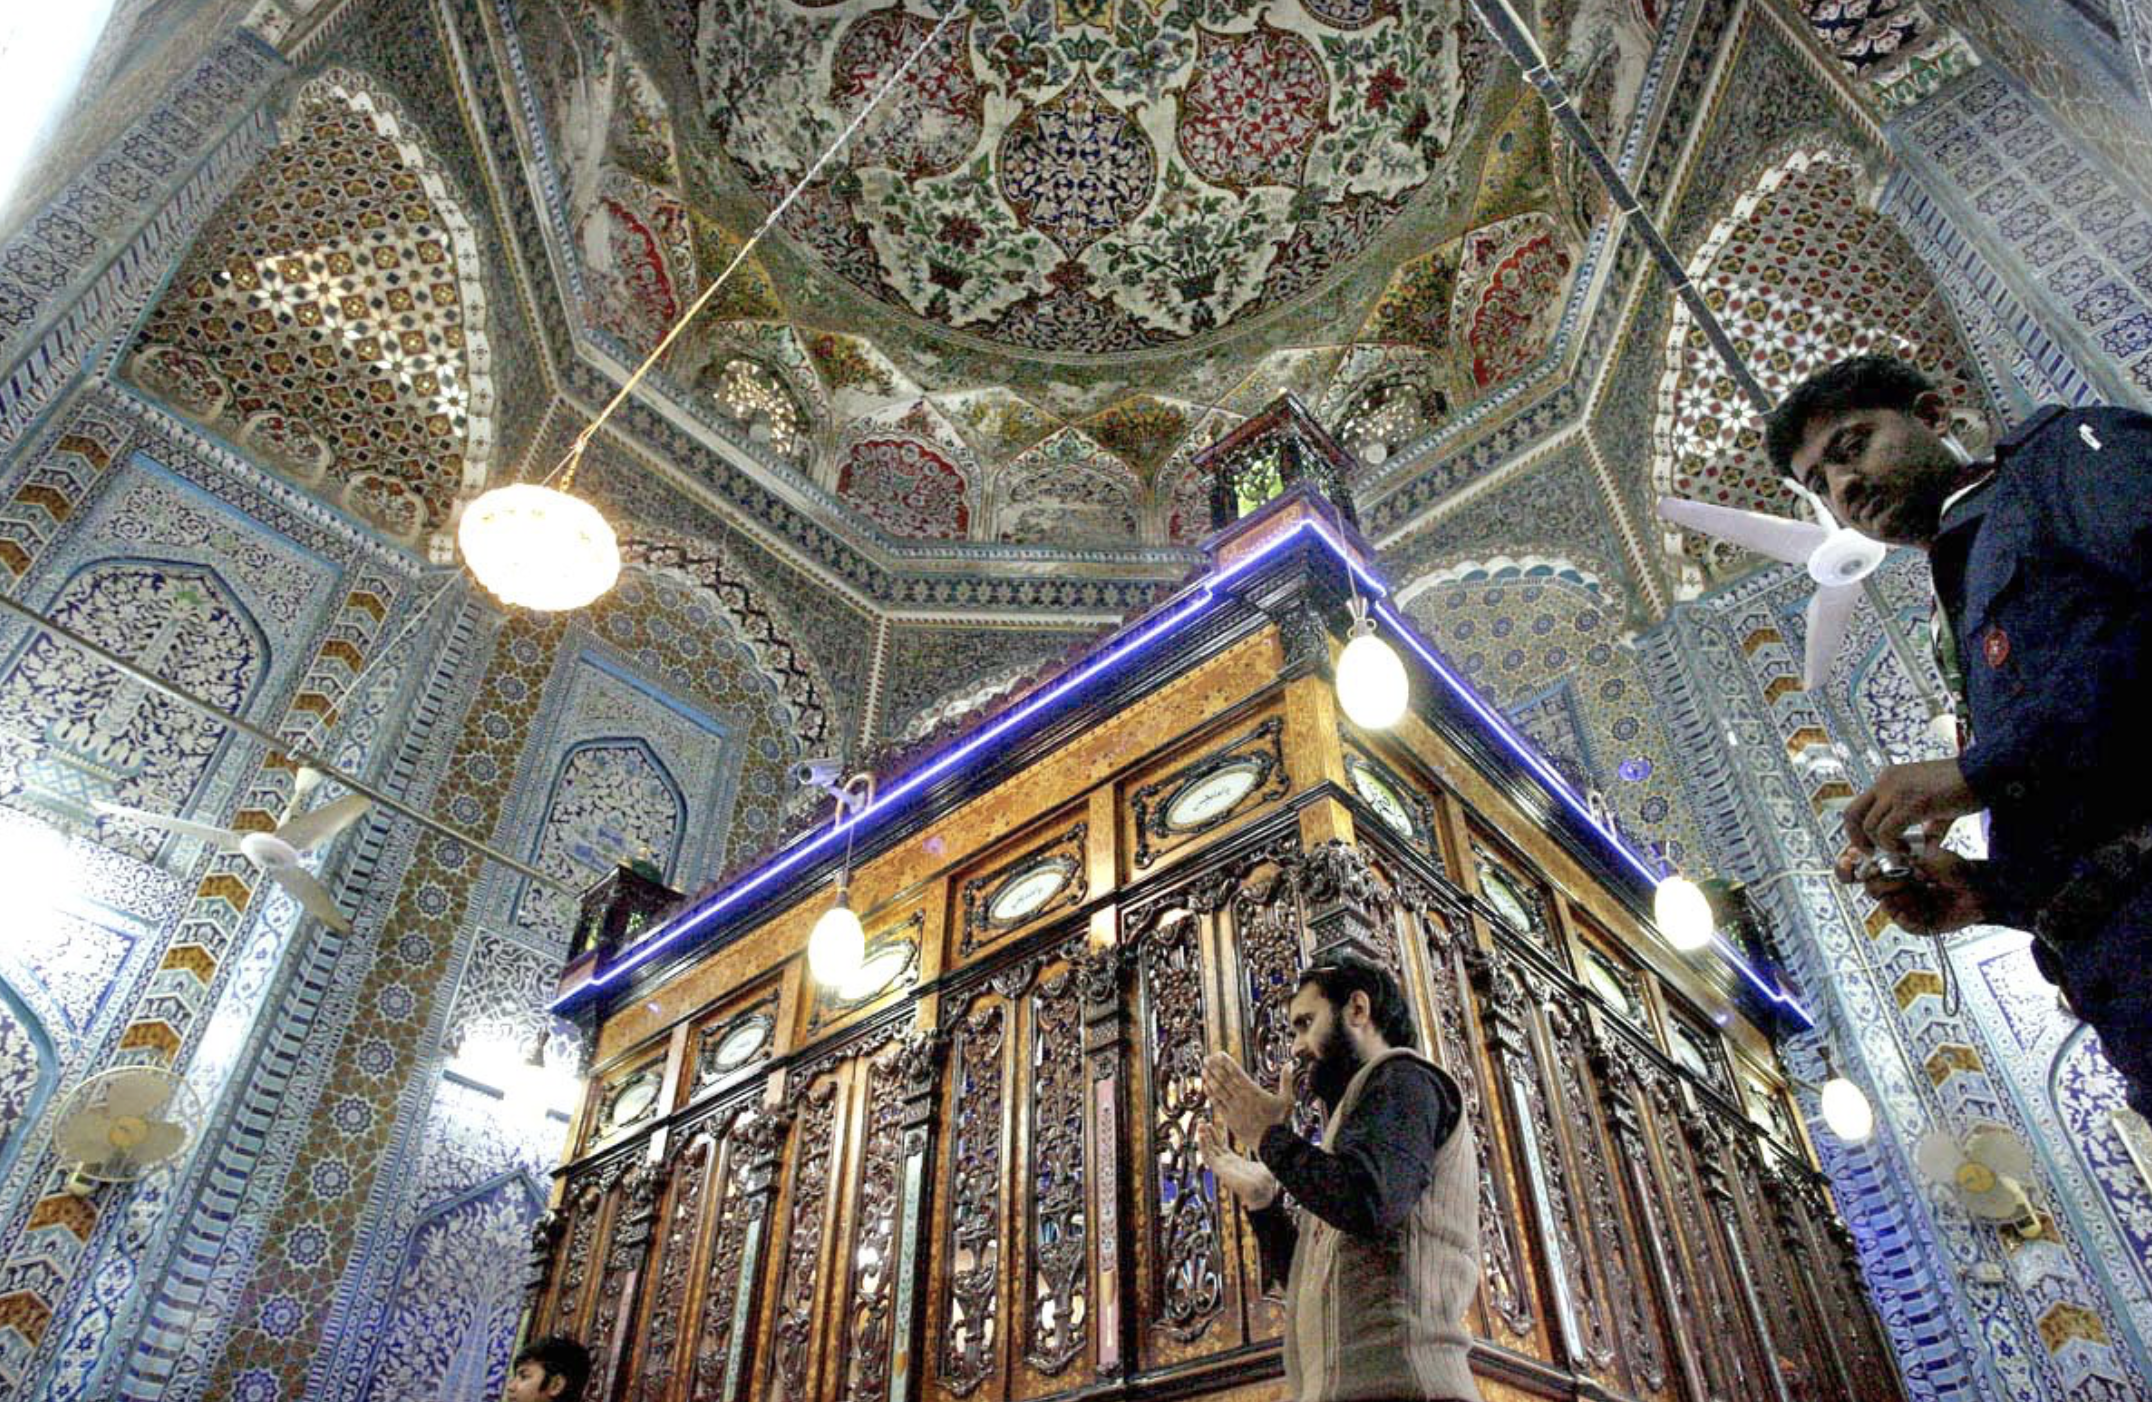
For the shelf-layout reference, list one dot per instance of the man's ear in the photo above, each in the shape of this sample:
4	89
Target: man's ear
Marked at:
1933	410
554	1385
1358	1003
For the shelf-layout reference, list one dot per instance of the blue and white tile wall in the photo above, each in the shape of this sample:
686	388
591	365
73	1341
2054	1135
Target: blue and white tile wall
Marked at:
2051	213
2069	1318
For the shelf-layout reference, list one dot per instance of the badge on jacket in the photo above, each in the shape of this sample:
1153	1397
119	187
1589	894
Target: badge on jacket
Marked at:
1996	647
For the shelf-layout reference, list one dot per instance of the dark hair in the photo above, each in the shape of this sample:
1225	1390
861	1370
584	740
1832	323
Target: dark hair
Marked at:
1861	382
560	1357
1343	974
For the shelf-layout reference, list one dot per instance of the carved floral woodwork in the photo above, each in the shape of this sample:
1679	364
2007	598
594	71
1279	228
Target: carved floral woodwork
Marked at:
1641	1346
1188	1271
1267	935
661	1333
1727	1350
1057	1306
868	1319
972	1280
1019	1210
793	1334
1347	903
1502	1270
751	1154
1590	1335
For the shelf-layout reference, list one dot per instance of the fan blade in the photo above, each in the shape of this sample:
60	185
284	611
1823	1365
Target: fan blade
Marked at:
218	838
141	1093
84	1137
1775	536
2002	1151
310	830
1830	614
165	1138
2005	1202
1938	1157
312	895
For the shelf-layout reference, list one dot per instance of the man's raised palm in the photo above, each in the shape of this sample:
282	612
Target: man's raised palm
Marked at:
1243	1177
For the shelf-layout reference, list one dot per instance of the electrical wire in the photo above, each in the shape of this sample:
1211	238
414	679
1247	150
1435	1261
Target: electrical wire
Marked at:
565	468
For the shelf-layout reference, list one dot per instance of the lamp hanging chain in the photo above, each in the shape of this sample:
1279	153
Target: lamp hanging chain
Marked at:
844	872
566	467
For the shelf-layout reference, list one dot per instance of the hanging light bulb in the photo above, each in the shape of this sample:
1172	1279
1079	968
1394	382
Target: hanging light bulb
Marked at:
1683	914
539	548
1371	682
1846	1111
837	947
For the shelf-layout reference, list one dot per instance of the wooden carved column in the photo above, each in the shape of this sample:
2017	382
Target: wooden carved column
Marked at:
1729	1351
586	1206
793	1331
969	1339
1642	1351
1446	934
1187	1287
1620	1086
1347	906
723	1350
1105	1037
676	1257
612	1326
1714	1157
1509	1039
1855	1321
538	1266
1800	1341
1783	1186
916	1061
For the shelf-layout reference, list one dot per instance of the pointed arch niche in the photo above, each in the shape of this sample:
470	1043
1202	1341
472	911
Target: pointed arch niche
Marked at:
1803	271
79	732
332	320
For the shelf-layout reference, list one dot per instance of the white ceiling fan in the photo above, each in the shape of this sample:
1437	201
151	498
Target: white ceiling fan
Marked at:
276	853
1985	1173
1837	557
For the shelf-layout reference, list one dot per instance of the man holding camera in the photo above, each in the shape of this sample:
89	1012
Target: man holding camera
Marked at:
2042	561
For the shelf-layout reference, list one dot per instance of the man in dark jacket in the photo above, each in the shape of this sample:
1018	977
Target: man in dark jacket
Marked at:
1385	1264
2042	561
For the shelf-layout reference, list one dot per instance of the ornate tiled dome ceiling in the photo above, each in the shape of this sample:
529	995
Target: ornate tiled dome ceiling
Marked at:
1077	241
1086	178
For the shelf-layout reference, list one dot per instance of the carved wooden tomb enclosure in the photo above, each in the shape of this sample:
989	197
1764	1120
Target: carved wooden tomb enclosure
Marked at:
973	1173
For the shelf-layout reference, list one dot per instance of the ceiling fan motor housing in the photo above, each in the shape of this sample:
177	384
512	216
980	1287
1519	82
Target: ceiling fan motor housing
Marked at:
1845	556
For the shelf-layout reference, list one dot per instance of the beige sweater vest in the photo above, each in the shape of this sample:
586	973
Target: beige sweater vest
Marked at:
1384	1319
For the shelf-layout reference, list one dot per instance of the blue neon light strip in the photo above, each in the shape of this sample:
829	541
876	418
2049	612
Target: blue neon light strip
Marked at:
1200	597
1560	787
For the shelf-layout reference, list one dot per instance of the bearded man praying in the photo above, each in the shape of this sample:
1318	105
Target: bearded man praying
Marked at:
1383	1259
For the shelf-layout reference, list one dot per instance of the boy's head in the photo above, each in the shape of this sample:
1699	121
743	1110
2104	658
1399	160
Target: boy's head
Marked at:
551	1369
1866	435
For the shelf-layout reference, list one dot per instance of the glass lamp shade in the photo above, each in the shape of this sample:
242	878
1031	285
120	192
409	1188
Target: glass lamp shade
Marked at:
837	948
1682	913
1846	1111
1372	689
538	548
